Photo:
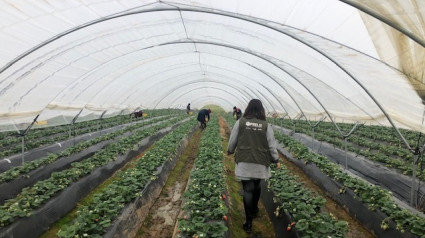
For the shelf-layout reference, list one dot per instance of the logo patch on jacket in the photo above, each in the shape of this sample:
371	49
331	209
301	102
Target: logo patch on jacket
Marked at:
253	125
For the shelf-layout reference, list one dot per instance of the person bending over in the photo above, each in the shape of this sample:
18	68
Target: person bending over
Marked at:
204	117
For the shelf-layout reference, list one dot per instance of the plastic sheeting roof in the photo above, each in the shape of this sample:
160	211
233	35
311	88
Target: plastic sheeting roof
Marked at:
351	60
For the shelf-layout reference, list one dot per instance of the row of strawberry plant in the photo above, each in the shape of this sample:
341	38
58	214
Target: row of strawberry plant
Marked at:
229	119
373	196
26	167
204	196
304	206
32	197
63	129
356	143
105	122
94	218
373	132
384	155
10	142
387	154
44	136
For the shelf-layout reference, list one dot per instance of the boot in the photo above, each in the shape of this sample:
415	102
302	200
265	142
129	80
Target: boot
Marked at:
247	226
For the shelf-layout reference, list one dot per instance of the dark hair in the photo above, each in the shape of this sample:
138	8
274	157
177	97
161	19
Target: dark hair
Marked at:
255	109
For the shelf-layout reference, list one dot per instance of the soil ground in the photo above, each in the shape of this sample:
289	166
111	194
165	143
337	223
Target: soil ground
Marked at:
163	214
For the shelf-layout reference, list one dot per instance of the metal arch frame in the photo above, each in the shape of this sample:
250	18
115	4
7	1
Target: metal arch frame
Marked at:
124	72
231	71
210	80
386	21
99	67
235	73
265	98
276	97
193	89
200	98
244	62
210	96
287	91
153	75
263	72
277	66
265	59
177	99
216	81
284	88
220	68
181	95
221	13
196	89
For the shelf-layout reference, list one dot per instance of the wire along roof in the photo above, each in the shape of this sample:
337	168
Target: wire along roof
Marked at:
351	60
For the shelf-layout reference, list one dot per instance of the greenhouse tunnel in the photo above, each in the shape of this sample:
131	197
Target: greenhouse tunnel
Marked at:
341	61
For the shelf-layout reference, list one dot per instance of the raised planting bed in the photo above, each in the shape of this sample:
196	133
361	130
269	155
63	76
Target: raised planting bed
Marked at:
14	180
36	208
301	209
7	165
375	173
283	224
118	209
205	210
39	137
376	143
372	205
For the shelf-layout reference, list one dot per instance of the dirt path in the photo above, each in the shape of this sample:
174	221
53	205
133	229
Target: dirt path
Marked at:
262	226
163	214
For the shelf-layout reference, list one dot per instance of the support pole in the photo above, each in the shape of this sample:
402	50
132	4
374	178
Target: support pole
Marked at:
417	154
295	121
413	194
23	148
314	127
345	137
281	121
281	126
100	120
23	134
345	150
72	125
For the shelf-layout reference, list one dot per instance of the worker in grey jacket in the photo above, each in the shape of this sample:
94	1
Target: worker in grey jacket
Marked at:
252	139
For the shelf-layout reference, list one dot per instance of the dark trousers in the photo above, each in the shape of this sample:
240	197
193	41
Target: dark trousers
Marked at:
203	124
251	196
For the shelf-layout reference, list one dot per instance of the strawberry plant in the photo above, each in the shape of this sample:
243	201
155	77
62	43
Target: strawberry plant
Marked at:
94	219
204	203
32	197
304	207
375	197
31	165
376	143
